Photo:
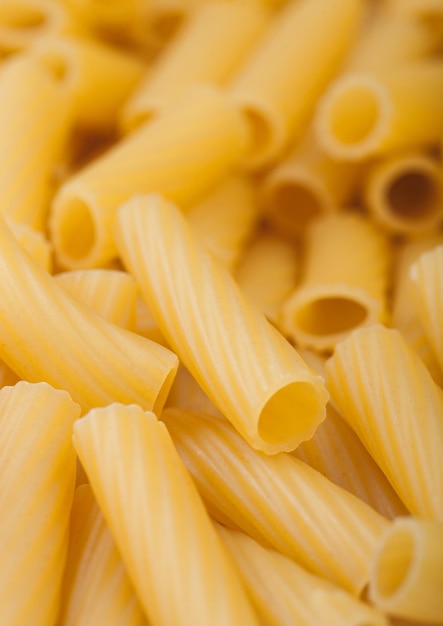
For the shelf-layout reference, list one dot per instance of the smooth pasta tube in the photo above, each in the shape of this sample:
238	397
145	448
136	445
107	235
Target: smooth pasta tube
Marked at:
278	500
337	295
407	576
35	244
404	193
364	115
277	103
250	372
181	154
177	563
427	278
96	587
32	139
385	393
110	293
47	335
285	594
183	64
37	476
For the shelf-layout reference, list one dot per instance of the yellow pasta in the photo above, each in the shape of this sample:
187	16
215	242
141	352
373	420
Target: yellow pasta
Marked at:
145	324
186	394
277	103
179	569
183	65
407	576
285	594
336	295
181	154
256	378
388	397
35	244
47	335
278	500
96	588
37	476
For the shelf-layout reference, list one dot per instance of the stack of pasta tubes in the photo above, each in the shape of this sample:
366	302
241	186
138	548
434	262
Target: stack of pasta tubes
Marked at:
221	312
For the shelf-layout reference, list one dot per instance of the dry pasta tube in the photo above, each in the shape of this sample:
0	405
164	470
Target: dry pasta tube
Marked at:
7	376
385	393
183	64
285	594
279	84
427	278
177	563
96	588
97	77
267	273
37	463
186	394
47	335
224	220
363	115
278	500
32	138
343	285
404	193
166	18
250	372
35	244
181	154
145	324
407	576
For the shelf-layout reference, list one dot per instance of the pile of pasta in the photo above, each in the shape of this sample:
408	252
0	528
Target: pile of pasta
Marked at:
221	312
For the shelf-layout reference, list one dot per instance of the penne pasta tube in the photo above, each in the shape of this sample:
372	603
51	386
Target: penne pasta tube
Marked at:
32	139
177	563
182	65
407	577
335	295
47	335
277	104
35	244
96	587
285	594
182	154
37	461
388	397
364	115
250	372
404	193
110	293
187	394
278	500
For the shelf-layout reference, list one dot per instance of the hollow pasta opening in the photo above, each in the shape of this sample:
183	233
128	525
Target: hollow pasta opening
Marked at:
354	114
164	391
330	315
294	205
394	562
260	132
17	15
76	229
413	195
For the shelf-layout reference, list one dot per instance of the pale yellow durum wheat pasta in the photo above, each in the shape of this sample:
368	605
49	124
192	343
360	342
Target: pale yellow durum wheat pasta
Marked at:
407	574
285	594
97	77
34	120
145	324
179	568
35	244
225	219
250	372
187	394
427	280
386	394
210	46
280	82
183	152
96	587
37	476
267	273
404	193
343	284
278	500
47	335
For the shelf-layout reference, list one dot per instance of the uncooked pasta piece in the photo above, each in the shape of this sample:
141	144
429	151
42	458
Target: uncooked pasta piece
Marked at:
181	154
47	335
186	394
96	588
343	284
278	500
179	568
386	394
37	476
35	244
250	372
407	576
145	324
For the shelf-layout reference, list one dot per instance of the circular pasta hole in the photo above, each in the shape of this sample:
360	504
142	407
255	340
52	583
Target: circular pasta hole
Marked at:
393	562
261	135
295	205
76	229
330	316
354	114
413	195
21	16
